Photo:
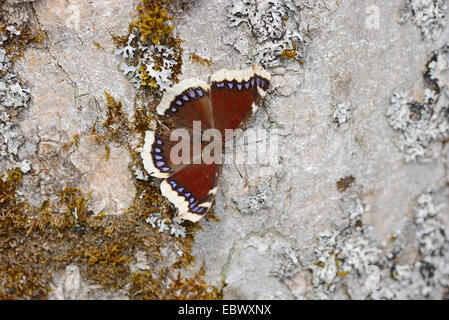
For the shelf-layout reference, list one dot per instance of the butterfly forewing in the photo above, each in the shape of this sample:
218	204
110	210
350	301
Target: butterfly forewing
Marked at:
236	95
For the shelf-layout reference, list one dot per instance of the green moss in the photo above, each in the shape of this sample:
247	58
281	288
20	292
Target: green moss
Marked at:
116	127
153	21
36	241
194	288
140	288
180	288
114	113
142	119
11	210
76	204
202	61
154	28
97	45
18	277
290	53
74	142
15	45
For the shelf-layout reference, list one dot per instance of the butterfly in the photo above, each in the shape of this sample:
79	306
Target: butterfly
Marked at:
230	100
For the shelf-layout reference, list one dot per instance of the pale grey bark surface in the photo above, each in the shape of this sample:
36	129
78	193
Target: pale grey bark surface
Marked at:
285	231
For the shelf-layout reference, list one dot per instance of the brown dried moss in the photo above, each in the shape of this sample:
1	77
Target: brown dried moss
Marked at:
116	127
15	44
35	242
180	288
199	60
290	53
344	183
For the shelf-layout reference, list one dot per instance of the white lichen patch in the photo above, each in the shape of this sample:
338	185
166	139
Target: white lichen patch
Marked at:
324	268
287	264
422	123
418	129
155	62
281	28
259	197
10	139
127	51
438	67
345	254
172	226
428	275
140	174
438	72
346	261
15	13
342	112
428	15
14	97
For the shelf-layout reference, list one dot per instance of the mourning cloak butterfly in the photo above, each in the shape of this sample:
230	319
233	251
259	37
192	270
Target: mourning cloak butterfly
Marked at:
228	103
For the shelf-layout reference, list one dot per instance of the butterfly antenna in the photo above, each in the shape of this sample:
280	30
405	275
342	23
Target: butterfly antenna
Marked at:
248	143
237	168
164	126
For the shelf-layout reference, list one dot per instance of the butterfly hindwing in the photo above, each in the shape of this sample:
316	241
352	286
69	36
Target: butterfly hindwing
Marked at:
192	190
155	156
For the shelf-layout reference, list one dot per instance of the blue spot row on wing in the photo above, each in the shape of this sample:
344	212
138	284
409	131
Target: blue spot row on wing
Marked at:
194	207
185	97
254	81
159	160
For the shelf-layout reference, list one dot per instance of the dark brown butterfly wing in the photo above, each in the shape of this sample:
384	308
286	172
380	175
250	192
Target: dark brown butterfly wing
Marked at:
190	187
192	190
183	104
236	95
229	104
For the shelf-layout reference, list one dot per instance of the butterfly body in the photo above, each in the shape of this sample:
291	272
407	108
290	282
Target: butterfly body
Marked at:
198	108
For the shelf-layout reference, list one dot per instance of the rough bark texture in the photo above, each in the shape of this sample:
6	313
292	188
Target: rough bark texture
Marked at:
357	206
